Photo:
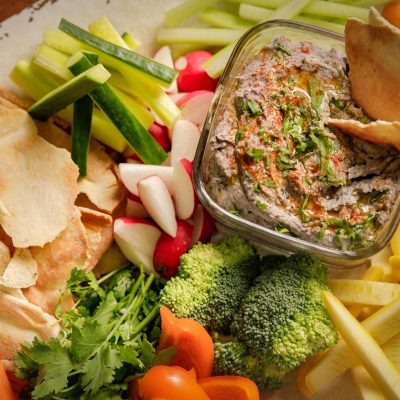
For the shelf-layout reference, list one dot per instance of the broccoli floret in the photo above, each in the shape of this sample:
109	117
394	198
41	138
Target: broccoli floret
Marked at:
211	282
283	318
232	358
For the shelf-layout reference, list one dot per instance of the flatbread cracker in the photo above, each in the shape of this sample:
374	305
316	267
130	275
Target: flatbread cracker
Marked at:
4	257
378	132
373	53
21	322
55	262
99	231
21	272
102	185
38	181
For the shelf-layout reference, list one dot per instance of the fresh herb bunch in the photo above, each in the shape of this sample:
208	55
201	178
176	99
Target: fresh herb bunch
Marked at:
105	340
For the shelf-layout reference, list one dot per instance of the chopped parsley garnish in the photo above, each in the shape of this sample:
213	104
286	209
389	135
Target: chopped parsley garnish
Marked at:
239	135
303	211
376	196
253	108
257	187
256	154
337	103
316	99
283	49
261	205
364	120
282	228
268	160
270	183
235	212
264	135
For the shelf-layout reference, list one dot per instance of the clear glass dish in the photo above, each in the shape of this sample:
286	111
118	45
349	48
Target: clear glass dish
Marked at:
265	238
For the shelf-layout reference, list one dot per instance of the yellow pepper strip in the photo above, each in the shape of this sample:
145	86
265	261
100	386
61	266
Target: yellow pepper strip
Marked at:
395	265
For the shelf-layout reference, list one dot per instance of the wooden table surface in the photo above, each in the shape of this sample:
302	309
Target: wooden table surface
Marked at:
11	7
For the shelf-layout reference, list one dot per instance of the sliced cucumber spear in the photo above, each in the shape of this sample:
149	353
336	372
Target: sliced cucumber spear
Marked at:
69	92
161	73
110	103
81	124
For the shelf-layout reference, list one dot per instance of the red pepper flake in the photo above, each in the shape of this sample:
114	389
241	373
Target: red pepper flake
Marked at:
336	161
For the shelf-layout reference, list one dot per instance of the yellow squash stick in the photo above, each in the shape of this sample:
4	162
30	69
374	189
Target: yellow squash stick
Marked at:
395	265
364	383
385	374
369	293
374	273
382	326
395	242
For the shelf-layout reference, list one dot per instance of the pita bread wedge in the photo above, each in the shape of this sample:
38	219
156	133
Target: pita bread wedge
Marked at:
4	257
55	261
378	132
38	181
21	322
102	185
21	272
99	232
373	53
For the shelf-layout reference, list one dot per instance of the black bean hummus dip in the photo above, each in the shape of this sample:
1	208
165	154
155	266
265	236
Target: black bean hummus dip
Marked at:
275	161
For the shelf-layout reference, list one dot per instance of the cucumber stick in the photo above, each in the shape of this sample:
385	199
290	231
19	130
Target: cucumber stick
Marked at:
110	103
104	29
36	83
118	55
131	41
69	92
81	124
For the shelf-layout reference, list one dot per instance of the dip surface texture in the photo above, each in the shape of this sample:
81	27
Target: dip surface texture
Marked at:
274	160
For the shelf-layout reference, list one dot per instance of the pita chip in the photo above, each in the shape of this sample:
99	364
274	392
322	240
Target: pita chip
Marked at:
373	53
4	257
377	132
21	272
102	185
99	232
38	181
55	262
21	322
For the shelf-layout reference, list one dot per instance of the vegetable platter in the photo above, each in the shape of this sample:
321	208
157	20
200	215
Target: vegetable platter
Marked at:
144	20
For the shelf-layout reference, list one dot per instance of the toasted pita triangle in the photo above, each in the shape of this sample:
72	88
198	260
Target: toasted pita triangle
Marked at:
378	132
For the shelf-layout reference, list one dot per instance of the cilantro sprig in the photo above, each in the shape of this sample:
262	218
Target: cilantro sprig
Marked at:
106	338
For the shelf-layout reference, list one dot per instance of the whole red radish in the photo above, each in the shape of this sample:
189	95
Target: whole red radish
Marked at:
203	226
169	250
192	76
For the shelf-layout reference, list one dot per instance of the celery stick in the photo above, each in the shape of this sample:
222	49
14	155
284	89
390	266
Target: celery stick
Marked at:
331	26
261	3
329	9
134	132
185	10
215	65
80	131
52	60
36	84
130	41
69	92
368	3
205	36
144	116
104	29
222	19
179	50
61	41
154	95
254	13
289	9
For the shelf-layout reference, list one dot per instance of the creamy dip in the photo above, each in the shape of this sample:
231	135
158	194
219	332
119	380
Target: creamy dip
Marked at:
274	160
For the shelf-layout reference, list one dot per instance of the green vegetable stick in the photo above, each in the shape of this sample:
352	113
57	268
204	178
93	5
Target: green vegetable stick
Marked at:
81	125
134	132
222	19
205	36
215	65
289	9
185	10
69	92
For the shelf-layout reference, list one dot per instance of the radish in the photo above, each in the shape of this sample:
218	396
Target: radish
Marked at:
134	207
175	97
185	137
183	191
195	106
137	239
169	250
164	56
158	202
167	161
160	134
192	76
131	174
203	226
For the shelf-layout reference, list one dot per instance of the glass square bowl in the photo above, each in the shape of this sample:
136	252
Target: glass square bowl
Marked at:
267	239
